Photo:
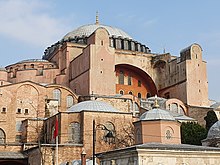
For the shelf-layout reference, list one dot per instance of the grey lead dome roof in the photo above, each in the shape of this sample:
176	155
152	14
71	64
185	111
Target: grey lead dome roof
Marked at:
157	114
214	131
87	30
92	105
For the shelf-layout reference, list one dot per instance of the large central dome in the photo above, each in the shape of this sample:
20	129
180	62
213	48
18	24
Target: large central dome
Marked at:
87	30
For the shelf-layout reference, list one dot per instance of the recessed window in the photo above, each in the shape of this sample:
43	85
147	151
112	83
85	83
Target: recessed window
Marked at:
19	110
148	95
129	80
130	93
26	111
4	110
32	65
74	133
121	92
139	95
69	101
121	77
139	83
168	134
18	126
57	95
2	136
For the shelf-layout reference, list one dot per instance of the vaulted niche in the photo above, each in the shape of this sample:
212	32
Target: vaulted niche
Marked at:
133	80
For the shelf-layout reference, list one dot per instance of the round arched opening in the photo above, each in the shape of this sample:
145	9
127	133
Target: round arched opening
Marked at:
131	78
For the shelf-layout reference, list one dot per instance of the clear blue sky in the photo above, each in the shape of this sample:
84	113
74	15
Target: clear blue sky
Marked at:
28	27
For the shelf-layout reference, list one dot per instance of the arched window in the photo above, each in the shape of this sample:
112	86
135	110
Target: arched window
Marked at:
139	95
129	80
174	107
130	93
69	101
139	83
148	95
57	95
138	136
121	77
32	65
121	92
74	133
2	136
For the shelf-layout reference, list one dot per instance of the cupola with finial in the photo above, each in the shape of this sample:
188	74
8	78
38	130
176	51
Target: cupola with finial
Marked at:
157	125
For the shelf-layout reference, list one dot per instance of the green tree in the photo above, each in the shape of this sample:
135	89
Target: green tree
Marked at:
210	119
192	133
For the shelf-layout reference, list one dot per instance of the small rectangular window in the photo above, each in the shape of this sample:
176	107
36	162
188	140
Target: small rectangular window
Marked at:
19	110
26	111
4	110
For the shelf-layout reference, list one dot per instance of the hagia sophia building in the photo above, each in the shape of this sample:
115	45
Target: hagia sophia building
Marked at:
98	80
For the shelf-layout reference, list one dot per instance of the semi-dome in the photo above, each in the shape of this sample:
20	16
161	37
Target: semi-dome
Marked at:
87	30
214	131
92	105
157	114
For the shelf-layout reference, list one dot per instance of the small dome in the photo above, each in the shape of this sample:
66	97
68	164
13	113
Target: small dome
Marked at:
92	105
87	30
214	131
157	114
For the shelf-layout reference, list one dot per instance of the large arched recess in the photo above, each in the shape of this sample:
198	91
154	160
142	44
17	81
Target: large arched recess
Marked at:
147	84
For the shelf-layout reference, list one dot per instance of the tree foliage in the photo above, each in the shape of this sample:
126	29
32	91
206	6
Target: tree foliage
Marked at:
192	133
210	119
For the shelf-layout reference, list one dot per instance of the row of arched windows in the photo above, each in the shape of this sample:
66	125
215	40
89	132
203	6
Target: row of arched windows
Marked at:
138	95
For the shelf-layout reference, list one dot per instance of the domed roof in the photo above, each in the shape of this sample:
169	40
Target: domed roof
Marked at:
87	30
32	60
157	114
92	105
214	131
